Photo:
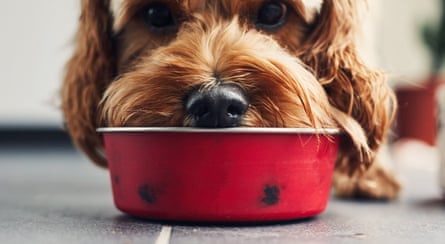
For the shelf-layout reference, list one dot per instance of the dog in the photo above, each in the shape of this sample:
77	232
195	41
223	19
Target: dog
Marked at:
231	63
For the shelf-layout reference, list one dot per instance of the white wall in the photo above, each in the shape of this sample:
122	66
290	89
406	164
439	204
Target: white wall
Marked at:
35	39
36	36
400	48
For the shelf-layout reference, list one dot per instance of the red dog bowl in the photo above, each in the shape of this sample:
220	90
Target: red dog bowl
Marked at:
221	175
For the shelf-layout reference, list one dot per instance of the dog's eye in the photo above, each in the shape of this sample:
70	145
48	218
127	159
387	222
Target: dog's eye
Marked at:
271	15
158	16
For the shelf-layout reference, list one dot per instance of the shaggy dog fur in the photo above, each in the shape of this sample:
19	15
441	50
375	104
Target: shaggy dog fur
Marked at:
294	63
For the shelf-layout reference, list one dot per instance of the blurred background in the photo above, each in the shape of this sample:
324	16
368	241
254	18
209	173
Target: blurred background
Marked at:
37	36
36	40
56	195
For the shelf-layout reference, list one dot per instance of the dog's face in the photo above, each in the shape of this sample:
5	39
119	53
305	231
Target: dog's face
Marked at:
255	63
213	64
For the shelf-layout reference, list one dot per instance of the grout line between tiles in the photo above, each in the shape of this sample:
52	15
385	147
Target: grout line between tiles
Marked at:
164	235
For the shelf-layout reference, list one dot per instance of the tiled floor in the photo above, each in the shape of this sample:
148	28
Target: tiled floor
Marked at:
56	196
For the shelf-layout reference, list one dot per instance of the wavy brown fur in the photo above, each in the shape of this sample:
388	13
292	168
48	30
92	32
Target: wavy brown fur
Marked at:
89	72
307	73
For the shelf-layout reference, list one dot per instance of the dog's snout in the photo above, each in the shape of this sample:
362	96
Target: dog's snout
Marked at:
220	106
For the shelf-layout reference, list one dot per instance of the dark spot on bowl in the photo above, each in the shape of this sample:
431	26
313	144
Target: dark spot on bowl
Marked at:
147	194
116	180
271	195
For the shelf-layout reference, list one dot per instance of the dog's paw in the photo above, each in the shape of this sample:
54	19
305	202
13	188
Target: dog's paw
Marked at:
376	183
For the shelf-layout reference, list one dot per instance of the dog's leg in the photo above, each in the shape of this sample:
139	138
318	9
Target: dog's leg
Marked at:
374	183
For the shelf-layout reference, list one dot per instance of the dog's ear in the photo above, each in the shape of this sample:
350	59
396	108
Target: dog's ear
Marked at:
88	73
354	153
355	88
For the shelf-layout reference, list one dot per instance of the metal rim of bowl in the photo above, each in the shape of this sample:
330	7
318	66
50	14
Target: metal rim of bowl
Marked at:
255	130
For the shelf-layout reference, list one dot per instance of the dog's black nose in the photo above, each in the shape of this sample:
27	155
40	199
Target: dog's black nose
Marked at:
220	106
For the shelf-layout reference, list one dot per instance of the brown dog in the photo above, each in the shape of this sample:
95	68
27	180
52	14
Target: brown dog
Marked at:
227	63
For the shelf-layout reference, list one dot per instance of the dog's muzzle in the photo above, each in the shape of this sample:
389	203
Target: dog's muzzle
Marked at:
222	105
